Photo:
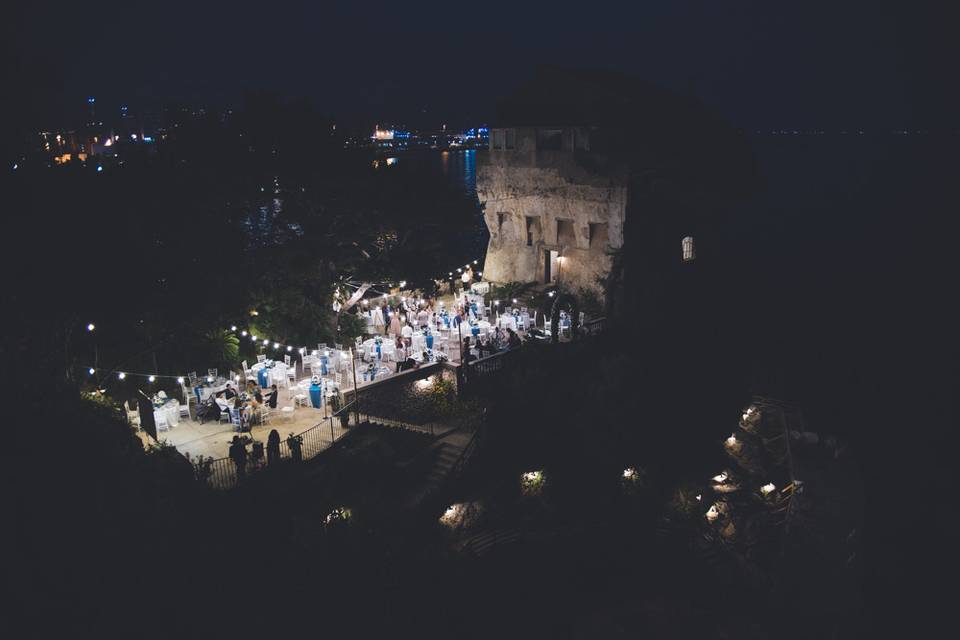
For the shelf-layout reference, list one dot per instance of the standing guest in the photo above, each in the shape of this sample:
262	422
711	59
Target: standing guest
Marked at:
423	319
395	324
238	453
273	447
407	333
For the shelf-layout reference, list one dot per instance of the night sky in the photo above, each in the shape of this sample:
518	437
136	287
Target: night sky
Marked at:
762	64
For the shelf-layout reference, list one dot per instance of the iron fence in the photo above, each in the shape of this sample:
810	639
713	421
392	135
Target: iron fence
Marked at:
225	473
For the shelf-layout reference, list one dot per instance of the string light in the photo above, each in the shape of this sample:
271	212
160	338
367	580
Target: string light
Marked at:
233	328
91	327
91	371
276	345
243	333
121	375
289	348
180	379
152	379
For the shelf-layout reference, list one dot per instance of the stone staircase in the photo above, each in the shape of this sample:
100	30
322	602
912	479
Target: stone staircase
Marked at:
482	543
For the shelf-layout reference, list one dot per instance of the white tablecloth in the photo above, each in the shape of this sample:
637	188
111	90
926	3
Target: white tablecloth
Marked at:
168	414
207	391
507	322
275	375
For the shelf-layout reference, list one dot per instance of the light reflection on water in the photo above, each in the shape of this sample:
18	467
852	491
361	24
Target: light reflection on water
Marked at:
458	166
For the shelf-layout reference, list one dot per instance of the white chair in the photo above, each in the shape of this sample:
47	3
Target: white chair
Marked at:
212	373
185	410
286	360
291	373
161	420
301	400
192	377
133	417
261	358
263	414
286	411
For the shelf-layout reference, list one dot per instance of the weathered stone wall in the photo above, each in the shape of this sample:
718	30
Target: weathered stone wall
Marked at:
521	187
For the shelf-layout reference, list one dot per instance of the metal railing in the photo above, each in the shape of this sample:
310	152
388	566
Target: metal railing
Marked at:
224	473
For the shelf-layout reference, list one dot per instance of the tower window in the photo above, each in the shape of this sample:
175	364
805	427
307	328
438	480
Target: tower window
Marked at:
689	253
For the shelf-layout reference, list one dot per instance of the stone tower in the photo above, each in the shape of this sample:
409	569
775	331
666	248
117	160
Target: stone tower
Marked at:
554	209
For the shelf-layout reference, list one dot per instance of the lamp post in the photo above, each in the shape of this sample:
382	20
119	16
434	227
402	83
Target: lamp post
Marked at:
356	389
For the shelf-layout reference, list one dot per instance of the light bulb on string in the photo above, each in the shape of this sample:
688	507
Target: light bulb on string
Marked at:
209	378
152	379
243	333
233	328
121	375
180	379
289	348
91	327
266	342
91	371
276	345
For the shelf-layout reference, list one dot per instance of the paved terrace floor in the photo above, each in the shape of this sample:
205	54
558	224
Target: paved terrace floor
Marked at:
213	438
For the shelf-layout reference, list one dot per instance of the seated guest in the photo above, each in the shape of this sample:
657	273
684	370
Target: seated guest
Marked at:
229	393
223	403
514	340
274	395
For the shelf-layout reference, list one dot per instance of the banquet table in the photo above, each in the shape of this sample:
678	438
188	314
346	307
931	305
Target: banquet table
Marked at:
481	328
167	413
204	391
507	321
268	374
